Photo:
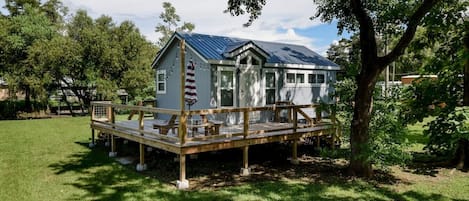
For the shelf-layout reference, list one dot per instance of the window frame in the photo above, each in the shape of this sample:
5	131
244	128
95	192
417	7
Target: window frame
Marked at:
158	81
316	76
220	88
275	87
287	80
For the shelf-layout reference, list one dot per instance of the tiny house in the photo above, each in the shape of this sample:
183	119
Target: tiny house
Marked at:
235	72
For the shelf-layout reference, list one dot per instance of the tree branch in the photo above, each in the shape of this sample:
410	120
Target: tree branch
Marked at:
409	33
367	33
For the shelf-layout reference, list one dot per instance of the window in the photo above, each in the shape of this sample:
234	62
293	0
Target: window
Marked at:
161	82
316	78
300	78
291	78
270	84
244	61
311	78
226	88
321	78
255	62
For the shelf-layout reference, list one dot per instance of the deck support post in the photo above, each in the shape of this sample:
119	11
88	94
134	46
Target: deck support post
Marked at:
245	171
142	166
113	152
92	143
182	183
294	158
318	143
108	140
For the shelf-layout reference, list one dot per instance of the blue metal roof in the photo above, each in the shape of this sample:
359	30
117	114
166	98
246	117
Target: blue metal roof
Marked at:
213	47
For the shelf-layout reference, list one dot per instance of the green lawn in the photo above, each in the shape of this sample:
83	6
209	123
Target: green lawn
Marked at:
49	160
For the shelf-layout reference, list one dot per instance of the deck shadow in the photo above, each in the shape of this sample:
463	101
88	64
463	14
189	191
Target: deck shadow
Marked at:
214	176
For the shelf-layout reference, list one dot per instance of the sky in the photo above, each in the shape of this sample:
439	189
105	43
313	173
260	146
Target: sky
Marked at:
281	21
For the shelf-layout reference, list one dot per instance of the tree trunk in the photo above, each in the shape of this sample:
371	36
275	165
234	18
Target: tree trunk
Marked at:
70	106
461	158
360	165
466	71
27	100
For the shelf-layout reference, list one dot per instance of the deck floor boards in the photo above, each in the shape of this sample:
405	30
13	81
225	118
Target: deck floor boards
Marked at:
227	133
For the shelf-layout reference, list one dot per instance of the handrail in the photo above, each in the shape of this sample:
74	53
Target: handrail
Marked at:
138	108
183	137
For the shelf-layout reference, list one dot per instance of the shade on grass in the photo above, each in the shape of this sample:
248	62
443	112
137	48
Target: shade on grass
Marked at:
49	160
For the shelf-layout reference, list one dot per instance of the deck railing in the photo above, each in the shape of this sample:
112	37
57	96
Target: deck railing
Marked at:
104	113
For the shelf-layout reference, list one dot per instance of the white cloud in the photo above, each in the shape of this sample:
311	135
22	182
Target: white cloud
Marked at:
278	21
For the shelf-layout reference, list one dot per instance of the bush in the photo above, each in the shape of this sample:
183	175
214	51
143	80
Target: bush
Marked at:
9	109
387	127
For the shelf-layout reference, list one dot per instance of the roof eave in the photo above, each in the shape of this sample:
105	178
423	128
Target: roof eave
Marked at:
165	48
301	66
246	47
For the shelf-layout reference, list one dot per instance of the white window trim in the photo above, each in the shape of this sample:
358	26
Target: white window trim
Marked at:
317	84
158	91
265	84
250	56
295	72
235	95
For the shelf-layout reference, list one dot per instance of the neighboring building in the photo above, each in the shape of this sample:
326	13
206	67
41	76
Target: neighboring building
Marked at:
408	79
234	72
5	91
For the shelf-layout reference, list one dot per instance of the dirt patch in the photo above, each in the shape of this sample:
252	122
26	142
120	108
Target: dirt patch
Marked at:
271	162
268	162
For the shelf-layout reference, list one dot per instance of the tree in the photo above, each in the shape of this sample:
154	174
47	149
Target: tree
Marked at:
170	24
22	31
346	53
17	7
137	56
113	57
366	18
443	97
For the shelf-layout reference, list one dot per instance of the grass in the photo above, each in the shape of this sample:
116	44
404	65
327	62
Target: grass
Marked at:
49	160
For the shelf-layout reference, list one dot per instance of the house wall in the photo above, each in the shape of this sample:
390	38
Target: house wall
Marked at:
306	93
171	63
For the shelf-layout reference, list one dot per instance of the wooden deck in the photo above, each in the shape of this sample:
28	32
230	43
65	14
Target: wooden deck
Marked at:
183	141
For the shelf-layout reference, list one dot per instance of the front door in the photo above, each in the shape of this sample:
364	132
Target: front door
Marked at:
250	92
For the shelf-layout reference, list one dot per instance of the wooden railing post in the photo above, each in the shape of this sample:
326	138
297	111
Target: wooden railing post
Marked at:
92	143
318	114
277	114
113	115
140	121
245	123
93	111
295	119
182	129
334	125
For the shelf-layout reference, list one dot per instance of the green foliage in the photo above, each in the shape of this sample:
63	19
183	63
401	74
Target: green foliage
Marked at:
48	159
241	7
387	128
9	109
442	97
446	130
21	32
170	24
346	54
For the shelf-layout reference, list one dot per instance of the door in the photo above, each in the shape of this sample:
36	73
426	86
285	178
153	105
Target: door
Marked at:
250	92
